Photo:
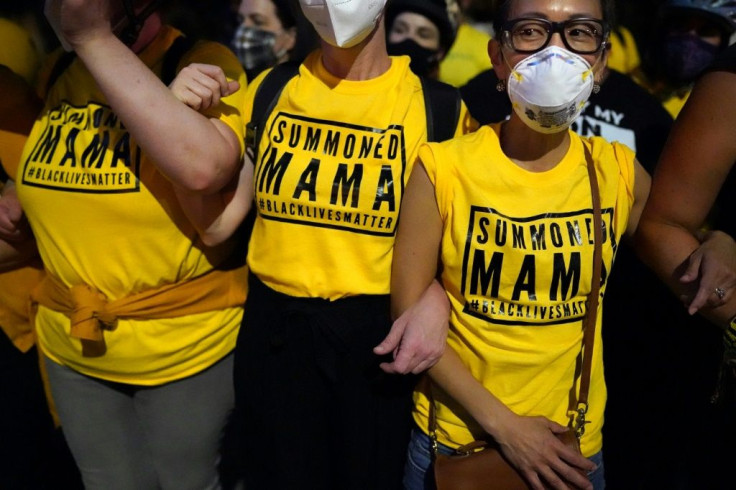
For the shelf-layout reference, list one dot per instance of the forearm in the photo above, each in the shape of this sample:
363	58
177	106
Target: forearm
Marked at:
454	378
217	216
188	148
665	247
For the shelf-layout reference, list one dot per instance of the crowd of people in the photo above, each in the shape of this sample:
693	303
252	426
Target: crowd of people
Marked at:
313	244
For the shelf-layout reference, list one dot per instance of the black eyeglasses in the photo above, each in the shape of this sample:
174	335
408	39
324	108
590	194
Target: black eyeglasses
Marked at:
529	35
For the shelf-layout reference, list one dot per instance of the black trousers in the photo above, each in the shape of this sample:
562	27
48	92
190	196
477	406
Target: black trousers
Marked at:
313	408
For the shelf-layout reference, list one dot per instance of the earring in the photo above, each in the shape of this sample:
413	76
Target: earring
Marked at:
596	88
501	85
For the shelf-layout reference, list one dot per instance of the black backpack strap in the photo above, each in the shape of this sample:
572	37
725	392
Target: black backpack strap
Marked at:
265	100
442	105
4	177
173	56
62	63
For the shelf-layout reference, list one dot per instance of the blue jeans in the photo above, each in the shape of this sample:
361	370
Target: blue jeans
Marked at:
418	472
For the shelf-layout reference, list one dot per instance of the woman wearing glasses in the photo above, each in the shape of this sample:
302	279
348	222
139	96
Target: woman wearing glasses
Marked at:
507	213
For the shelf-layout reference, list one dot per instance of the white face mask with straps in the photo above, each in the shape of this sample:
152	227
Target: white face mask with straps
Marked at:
343	23
549	89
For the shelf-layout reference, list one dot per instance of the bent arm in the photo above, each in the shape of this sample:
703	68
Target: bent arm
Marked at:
193	151
688	178
217	216
418	302
417	246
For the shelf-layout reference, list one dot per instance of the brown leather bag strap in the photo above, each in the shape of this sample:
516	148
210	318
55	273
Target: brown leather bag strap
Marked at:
591	314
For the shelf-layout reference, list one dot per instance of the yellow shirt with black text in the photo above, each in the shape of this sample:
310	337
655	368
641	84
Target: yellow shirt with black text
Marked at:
517	252
333	162
104	216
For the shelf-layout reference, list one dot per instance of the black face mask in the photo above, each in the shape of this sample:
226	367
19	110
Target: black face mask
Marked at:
423	60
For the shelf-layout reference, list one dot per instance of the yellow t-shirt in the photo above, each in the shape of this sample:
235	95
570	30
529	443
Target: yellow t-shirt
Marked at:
467	57
104	216
333	161
18	51
18	109
672	99
623	55
517	263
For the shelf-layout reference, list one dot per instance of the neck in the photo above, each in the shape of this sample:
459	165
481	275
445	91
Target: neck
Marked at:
532	150
364	61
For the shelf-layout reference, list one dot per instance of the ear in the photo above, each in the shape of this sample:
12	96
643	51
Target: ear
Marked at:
496	56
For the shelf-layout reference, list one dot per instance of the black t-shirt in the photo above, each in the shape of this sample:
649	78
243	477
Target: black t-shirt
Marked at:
622	111
726	60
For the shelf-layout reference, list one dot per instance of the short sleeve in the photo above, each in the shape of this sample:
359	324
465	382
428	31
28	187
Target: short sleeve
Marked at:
230	109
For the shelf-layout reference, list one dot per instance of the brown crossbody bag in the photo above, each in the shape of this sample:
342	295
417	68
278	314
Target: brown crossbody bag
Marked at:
480	465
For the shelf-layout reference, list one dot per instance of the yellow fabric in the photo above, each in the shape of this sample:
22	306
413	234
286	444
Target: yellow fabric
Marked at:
623	55
104	216
522	336
314	235
467	57
90	313
675	102
15	287
672	99
18	51
18	109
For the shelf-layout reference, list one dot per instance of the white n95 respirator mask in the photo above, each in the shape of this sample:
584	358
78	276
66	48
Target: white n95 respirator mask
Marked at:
343	23
549	89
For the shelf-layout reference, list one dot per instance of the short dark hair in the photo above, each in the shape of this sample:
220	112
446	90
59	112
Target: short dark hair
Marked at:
503	7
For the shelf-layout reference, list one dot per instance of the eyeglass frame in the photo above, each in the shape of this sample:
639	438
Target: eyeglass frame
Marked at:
555	27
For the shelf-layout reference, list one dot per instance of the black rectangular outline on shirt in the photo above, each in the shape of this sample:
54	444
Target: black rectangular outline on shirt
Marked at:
399	127
136	172
466	253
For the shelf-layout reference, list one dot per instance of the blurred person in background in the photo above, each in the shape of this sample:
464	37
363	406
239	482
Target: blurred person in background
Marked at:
424	30
468	55
687	37
270	32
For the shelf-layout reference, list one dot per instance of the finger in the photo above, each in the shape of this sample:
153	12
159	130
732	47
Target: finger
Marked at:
573	476
555	427
701	299
553	479
403	364
216	74
392	340
232	87
424	365
693	268
208	88
207	95
191	99
533	480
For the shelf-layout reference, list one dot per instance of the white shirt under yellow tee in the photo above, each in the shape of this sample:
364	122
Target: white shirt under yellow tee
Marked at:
517	263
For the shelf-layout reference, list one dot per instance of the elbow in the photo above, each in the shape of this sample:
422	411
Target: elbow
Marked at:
211	239
207	178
